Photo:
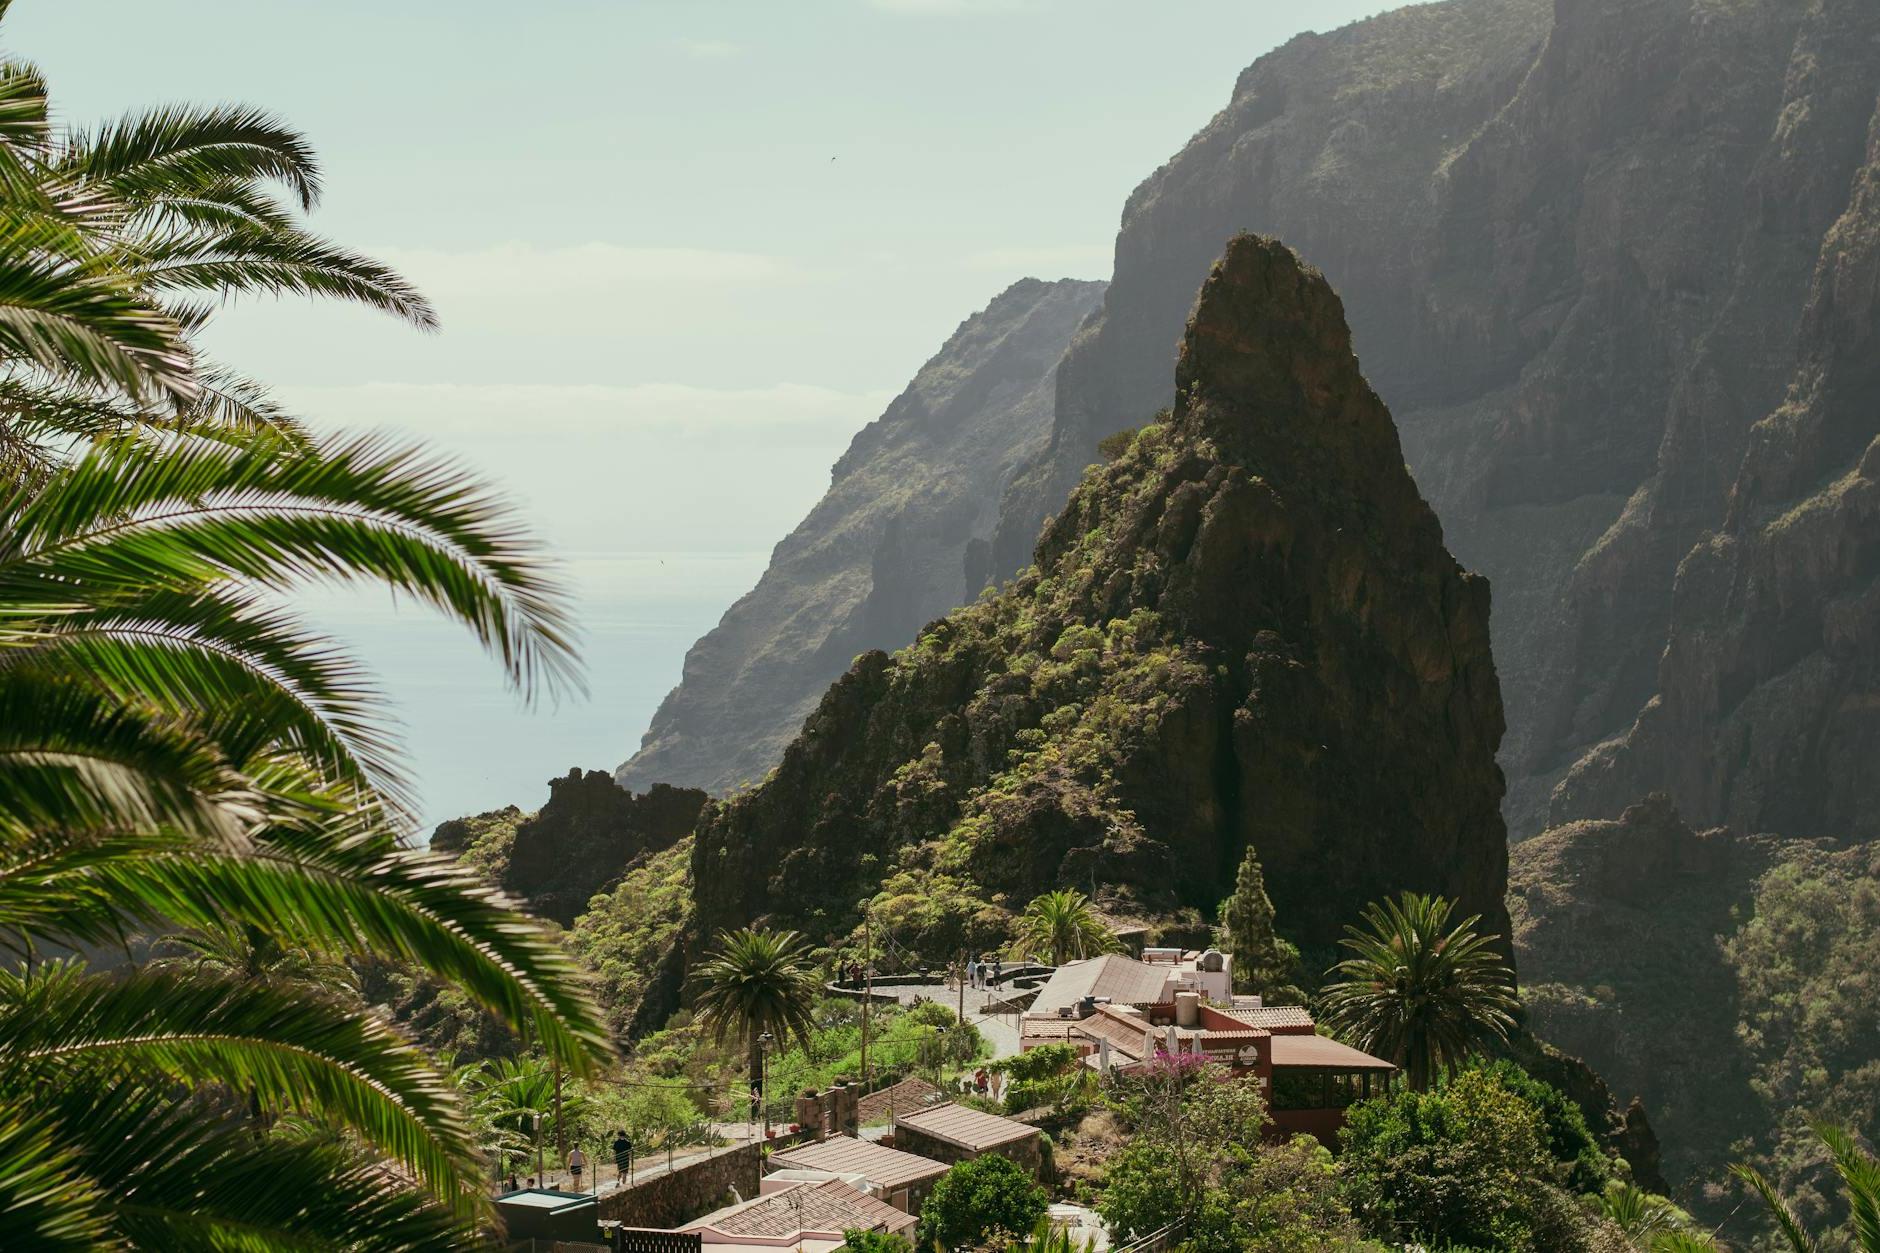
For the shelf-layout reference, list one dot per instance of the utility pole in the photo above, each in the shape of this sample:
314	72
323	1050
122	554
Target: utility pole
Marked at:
960	973
561	1136
868	991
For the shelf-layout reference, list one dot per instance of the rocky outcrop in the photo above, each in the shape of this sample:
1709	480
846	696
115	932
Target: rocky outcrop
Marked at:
1245	629
1576	238
899	538
1767	713
588	834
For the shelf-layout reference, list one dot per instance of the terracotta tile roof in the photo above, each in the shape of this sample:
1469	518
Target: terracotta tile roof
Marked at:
831	1206
1132	1038
910	1093
1124	980
1321	1052
1052	1028
967	1128
882	1166
1270	1016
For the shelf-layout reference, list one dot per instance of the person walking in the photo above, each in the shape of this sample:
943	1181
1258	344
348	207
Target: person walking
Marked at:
577	1162
998	968
972	971
623	1156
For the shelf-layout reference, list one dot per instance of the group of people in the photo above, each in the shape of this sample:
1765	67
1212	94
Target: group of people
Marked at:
983	1083
577	1164
981	973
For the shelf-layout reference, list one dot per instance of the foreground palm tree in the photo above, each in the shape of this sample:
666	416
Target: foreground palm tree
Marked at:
176	751
1860	1183
1063	924
757	983
122	240
1417	991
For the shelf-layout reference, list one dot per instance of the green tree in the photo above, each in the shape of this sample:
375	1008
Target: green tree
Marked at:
1859	1172
1466	1164
1263	962
1064	925
1569	1140
757	983
1418	991
989	1196
875	1242
1195	1153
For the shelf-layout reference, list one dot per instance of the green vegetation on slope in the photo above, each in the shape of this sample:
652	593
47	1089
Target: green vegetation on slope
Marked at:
1727	980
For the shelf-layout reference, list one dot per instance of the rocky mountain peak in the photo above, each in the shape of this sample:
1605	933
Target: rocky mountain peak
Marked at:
1243	629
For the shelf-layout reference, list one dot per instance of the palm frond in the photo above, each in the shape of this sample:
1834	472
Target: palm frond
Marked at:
289	1050
356	897
47	1203
1860	1181
275	260
1785	1218
174	1175
120	520
76	319
189	147
72	759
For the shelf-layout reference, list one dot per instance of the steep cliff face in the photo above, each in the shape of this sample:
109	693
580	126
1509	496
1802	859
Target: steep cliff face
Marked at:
1244	629
1767	713
899	538
1576	238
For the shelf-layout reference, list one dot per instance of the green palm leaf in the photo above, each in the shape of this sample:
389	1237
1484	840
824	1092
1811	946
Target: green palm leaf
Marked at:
290	1050
121	521
356	897
186	147
1419	991
177	1176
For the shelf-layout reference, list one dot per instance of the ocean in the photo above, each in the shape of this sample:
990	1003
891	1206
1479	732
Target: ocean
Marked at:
472	744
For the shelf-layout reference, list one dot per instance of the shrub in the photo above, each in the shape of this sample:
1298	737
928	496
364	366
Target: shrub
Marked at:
986	1196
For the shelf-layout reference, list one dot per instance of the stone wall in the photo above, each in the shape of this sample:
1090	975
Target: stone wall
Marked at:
689	1191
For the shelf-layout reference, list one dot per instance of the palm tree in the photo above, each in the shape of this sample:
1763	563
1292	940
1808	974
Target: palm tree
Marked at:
757	983
1641	1215
175	750
1418	991
1063	924
1860	1183
121	241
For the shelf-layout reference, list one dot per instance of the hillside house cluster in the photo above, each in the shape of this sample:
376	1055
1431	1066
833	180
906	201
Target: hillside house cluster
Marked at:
1120	1012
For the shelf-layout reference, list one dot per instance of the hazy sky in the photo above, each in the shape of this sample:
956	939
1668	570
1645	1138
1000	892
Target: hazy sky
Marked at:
682	252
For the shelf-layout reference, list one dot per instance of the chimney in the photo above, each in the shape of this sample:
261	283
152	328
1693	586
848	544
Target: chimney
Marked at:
1188	1010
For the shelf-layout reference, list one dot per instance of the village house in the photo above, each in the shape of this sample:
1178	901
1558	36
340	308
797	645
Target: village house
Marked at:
809	1217
959	1133
901	1179
1120	1013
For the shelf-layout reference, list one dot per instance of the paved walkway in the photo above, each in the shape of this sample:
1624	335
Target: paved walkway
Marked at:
652	1166
999	1029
